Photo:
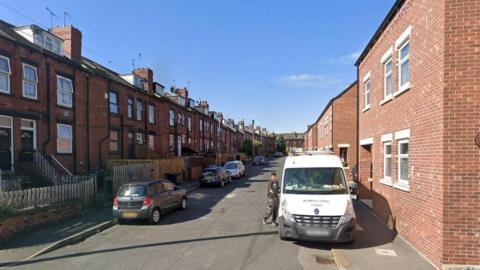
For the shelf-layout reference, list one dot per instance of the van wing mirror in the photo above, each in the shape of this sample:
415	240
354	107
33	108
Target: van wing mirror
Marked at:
353	186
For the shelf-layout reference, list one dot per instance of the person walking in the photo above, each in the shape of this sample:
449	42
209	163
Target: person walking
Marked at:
272	201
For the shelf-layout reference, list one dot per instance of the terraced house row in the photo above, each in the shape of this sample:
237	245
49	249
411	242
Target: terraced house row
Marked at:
418	117
80	113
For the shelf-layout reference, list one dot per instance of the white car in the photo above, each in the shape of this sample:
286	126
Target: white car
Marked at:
315	202
235	168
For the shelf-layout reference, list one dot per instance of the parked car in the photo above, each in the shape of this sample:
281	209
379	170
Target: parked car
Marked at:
315	202
278	154
148	200
235	168
259	160
215	175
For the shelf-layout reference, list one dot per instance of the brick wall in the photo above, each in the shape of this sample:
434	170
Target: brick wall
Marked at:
417	213
30	219
461	204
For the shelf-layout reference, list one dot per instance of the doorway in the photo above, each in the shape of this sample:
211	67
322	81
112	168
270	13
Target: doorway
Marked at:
366	174
6	143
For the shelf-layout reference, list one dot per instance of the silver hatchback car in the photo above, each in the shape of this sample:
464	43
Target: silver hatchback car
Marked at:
147	200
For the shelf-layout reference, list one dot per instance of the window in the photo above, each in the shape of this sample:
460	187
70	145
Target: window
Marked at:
344	156
184	139
388	78
130	107
139	109
48	43
404	65
151	113
30	81
114	141
403	176
113	101
179	118
5	74
189	123
387	161
172	143
64	139
172	118
368	93
64	91
151	142
201	125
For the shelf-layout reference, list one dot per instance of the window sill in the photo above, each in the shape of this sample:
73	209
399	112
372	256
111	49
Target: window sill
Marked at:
386	100
5	93
386	181
366	108
67	107
404	187
402	89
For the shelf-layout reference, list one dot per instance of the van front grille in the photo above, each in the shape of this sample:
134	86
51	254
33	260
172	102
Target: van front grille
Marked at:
317	221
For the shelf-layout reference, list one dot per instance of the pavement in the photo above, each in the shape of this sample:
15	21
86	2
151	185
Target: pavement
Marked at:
222	229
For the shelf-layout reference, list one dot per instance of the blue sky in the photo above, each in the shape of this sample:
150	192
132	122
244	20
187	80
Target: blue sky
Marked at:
278	62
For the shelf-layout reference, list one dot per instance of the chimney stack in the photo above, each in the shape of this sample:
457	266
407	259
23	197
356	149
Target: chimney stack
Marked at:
183	92
147	75
72	41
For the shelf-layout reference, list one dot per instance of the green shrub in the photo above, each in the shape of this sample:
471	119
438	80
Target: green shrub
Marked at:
6	211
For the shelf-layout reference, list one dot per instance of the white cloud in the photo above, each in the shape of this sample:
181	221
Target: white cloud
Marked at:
348	59
312	80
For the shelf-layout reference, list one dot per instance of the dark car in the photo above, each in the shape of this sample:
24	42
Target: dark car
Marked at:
147	200
259	160
215	175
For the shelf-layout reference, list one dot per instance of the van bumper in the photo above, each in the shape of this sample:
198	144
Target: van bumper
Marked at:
342	233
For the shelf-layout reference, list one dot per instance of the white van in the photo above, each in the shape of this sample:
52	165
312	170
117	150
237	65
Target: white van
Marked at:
315	202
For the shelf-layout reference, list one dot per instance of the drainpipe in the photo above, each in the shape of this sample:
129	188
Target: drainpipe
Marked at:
88	124
74	128
47	112
108	128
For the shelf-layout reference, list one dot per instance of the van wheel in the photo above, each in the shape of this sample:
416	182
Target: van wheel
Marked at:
183	204
283	236
154	217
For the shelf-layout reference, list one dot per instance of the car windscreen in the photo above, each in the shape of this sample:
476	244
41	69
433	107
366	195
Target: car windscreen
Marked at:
231	166
132	190
314	181
210	171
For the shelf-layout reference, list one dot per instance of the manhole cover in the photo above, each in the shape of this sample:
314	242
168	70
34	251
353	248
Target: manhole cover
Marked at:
321	260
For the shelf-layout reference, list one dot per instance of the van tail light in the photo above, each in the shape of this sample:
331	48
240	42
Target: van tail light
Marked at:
147	201
115	202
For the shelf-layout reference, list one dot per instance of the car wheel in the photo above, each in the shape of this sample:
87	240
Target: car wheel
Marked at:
183	204
154	216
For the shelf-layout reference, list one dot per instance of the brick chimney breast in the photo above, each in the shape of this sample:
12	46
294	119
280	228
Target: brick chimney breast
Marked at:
147	75
183	92
72	41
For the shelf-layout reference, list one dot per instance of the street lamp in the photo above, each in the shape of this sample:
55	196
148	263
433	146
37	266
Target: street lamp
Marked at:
253	138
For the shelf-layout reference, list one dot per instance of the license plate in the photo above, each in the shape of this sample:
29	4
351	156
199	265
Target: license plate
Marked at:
129	214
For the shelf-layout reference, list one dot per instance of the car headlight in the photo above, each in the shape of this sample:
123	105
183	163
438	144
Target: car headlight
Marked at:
349	213
287	215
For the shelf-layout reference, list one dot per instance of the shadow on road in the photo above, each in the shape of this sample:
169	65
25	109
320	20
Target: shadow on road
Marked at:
158	244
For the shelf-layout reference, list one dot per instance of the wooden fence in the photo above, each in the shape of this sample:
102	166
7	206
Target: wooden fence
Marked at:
84	190
123	174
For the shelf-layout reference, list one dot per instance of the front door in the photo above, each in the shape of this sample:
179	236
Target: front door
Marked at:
6	149
131	145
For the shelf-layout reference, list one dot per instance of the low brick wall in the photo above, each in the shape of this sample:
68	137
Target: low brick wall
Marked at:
33	218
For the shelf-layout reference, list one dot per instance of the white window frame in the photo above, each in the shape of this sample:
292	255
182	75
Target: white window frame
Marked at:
403	182
34	83
189	123
387	180
400	43
110	94
139	110
387	74
171	118
9	73
367	94
69	151
59	102
151	142
151	113
33	129
130	107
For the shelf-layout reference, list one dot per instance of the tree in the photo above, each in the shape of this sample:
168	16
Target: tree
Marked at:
247	147
281	147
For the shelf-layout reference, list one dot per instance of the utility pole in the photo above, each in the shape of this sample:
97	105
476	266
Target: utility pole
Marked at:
253	138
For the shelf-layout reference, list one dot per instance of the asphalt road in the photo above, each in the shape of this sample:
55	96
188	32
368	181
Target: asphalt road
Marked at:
221	229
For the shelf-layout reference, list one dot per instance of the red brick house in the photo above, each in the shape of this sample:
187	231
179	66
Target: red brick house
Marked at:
80	113
336	128
419	99
293	141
